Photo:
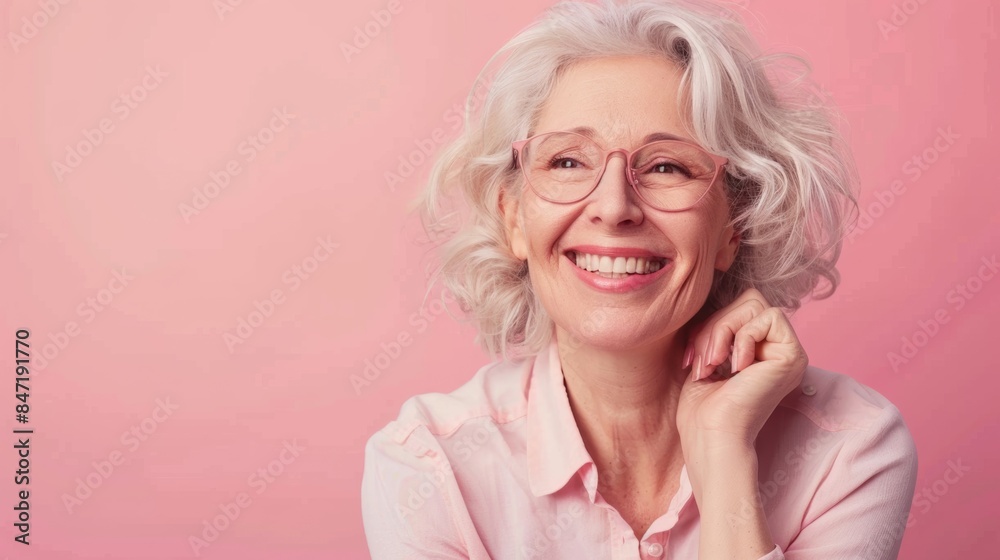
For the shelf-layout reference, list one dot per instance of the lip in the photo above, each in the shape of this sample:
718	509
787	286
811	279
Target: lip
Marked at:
619	285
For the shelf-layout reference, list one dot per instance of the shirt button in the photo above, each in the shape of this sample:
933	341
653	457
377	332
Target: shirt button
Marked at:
809	390
655	549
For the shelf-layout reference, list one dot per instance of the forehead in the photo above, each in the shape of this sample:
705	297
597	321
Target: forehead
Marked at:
622	98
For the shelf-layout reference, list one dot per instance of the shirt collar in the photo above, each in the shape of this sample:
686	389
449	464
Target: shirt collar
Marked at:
555	449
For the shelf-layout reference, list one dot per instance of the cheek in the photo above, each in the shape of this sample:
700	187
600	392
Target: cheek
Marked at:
543	227
706	227
697	248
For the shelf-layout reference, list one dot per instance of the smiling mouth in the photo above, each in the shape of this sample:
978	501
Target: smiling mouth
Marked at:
616	267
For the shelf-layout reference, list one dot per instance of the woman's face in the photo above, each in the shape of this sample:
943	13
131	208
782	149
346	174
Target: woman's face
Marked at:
623	99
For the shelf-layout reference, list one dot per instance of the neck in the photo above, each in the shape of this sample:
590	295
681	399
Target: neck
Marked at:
625	405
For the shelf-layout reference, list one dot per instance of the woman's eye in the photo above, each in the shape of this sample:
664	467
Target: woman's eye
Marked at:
668	168
564	163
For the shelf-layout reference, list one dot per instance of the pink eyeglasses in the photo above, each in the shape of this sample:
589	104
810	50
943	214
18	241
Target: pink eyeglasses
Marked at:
565	167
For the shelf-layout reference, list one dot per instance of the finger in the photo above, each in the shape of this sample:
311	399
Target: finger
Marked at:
695	327
722	334
701	331
768	336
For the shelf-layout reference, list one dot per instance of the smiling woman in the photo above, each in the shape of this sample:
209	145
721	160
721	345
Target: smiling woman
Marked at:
647	197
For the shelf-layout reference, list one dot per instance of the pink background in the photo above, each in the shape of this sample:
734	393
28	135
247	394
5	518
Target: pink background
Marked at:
318	178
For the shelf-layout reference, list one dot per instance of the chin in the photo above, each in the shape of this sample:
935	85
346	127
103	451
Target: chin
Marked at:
606	336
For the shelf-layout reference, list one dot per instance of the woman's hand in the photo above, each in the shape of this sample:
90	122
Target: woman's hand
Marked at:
719	419
768	359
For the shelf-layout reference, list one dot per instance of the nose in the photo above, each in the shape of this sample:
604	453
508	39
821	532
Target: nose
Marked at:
614	201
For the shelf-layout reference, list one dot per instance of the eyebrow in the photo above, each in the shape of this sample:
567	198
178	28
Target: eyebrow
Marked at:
591	133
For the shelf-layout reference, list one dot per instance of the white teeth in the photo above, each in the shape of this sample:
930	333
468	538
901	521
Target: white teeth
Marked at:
606	264
617	266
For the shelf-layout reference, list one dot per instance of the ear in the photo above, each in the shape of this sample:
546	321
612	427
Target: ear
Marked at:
728	247
510	209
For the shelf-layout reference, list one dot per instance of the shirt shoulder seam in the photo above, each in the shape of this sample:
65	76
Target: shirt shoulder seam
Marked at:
410	426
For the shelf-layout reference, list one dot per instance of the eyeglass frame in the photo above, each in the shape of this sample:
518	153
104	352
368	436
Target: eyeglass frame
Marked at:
518	147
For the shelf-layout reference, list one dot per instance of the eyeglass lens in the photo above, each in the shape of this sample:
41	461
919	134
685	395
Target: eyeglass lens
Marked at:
564	167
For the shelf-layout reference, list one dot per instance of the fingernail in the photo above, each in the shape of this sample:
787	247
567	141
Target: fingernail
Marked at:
688	354
732	360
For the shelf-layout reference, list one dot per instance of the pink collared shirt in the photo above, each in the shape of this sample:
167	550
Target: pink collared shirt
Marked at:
497	469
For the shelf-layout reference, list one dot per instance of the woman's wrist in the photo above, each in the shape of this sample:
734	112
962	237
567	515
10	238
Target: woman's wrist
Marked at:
715	460
723	477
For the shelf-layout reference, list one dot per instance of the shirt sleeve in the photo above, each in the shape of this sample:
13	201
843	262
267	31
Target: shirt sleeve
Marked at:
861	508
407	491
